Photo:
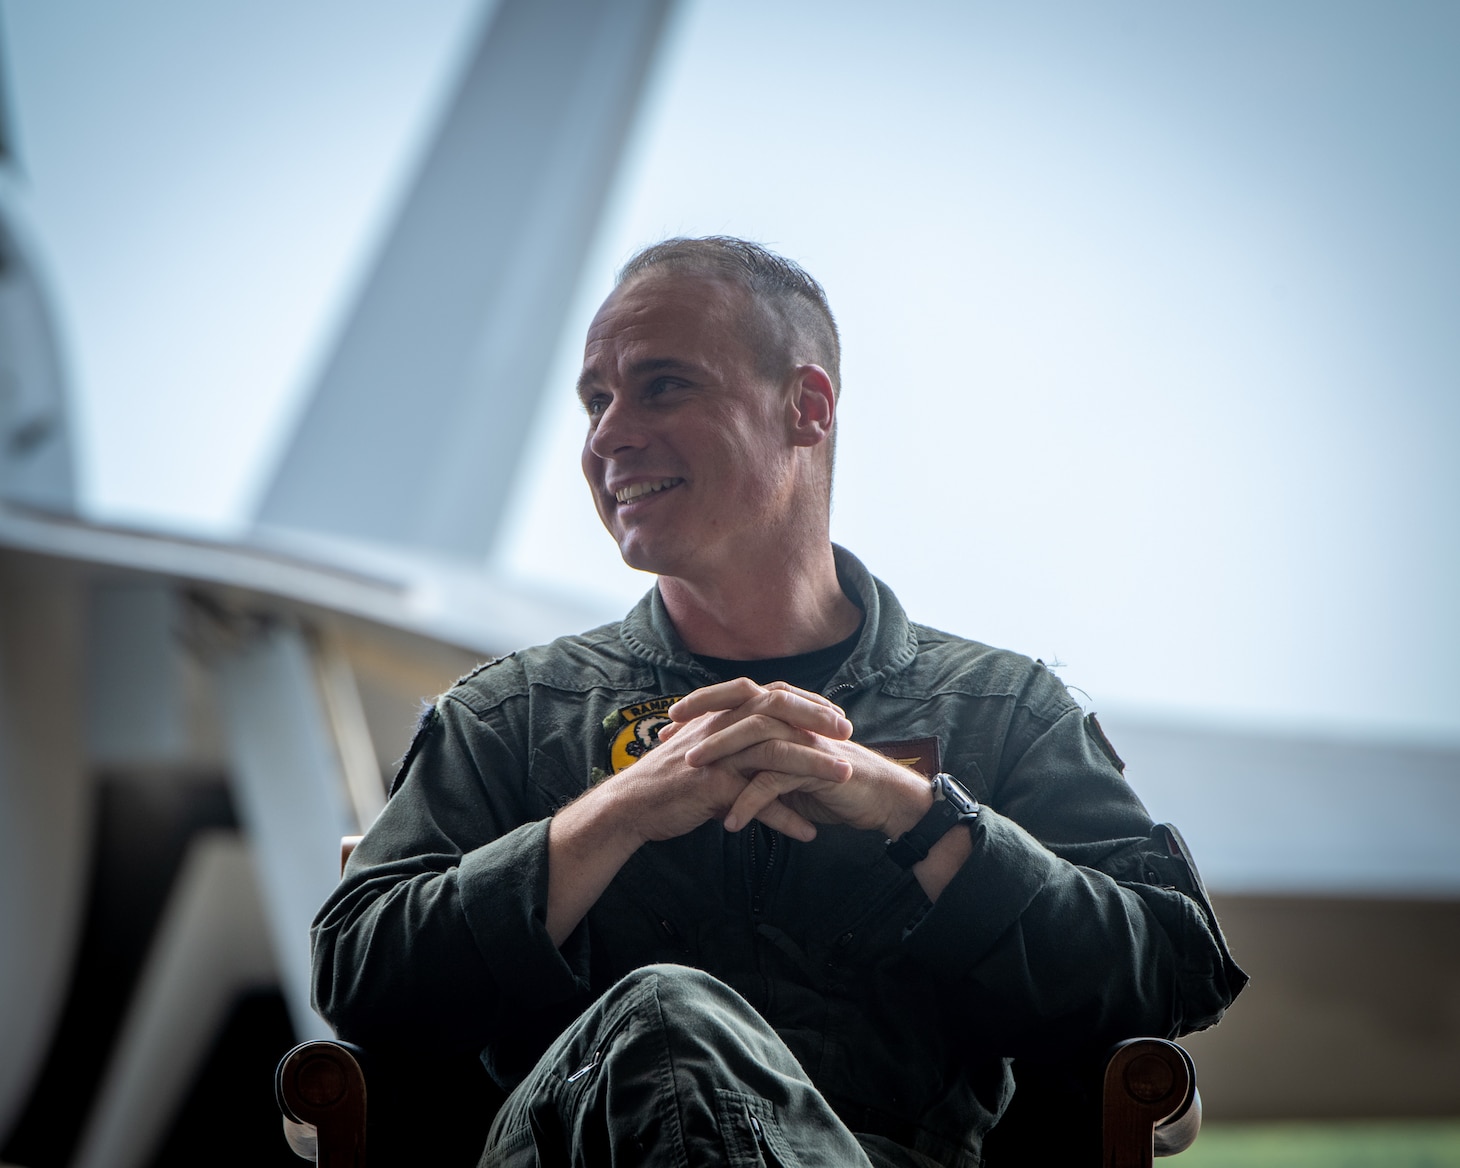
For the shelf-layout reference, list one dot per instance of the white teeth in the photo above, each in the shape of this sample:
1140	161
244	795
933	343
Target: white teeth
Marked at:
630	493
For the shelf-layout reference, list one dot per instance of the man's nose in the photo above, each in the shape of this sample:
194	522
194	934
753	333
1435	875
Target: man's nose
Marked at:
618	429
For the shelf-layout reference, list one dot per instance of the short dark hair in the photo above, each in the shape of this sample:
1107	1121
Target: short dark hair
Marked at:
796	321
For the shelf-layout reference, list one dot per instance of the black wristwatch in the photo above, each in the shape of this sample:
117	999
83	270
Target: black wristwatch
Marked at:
952	804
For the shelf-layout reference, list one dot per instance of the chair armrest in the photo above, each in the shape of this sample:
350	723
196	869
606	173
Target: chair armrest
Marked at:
321	1085
1151	1105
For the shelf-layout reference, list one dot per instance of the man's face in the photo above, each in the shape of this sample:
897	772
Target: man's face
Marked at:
689	450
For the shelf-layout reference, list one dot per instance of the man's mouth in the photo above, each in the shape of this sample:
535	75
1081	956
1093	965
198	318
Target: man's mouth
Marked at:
639	490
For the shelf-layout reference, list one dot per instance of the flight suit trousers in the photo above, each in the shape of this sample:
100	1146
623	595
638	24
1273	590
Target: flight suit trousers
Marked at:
671	1067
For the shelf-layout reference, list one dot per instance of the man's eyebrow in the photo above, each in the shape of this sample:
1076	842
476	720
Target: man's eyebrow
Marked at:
659	365
641	368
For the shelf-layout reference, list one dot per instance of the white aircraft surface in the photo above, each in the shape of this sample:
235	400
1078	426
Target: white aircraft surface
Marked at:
139	669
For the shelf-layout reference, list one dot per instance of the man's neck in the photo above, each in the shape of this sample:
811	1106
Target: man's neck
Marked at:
754	612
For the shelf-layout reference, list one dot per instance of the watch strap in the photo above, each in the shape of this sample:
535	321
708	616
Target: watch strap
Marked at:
952	805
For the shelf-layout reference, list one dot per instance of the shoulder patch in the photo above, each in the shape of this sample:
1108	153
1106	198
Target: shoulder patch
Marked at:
633	731
1092	728
427	719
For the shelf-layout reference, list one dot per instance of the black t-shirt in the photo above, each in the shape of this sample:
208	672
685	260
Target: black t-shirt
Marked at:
809	671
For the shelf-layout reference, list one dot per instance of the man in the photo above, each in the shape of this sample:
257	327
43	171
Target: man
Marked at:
764	872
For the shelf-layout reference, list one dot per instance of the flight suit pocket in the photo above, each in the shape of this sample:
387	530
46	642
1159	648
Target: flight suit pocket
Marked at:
753	1138
555	784
515	1149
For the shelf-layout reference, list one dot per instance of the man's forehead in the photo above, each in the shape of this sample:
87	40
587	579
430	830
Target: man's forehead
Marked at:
688	294
648	318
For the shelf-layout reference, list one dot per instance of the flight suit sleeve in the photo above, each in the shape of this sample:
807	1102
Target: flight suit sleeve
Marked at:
1076	919
435	937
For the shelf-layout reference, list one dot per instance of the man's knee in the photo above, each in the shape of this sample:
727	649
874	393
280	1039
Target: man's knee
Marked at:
706	1029
682	992
671	982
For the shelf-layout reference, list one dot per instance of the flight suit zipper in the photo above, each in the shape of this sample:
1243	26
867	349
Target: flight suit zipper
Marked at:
763	1144
760	872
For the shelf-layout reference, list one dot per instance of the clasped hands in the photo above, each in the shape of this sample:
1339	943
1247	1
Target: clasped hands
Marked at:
734	752
739	751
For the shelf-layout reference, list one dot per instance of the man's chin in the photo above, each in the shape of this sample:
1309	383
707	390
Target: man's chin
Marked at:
639	557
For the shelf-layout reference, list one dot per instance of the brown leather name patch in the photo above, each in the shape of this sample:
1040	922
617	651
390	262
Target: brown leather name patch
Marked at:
921	754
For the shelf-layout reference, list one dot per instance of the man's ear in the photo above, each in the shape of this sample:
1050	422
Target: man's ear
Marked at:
812	406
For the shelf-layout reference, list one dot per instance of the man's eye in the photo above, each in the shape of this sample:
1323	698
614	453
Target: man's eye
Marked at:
595	405
661	385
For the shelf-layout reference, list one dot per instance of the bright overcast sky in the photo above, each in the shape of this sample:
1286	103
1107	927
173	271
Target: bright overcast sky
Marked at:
1152	364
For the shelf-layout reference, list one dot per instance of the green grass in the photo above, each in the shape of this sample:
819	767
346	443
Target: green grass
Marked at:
1367	1144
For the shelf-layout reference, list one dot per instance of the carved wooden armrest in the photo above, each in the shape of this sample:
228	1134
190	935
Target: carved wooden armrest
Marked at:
320	1087
1151	1103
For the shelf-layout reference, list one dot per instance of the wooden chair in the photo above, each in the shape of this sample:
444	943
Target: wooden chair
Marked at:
336	1098
328	1095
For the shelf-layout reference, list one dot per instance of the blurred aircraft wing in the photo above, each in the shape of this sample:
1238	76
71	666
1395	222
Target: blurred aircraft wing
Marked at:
415	431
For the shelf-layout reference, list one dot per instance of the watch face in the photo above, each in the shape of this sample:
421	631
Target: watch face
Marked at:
951	789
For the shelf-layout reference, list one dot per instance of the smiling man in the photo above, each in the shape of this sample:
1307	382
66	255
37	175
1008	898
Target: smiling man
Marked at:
765	872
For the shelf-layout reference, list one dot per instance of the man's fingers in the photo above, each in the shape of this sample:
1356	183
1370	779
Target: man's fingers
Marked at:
724	695
809	695
742	735
761	800
835	715
742	698
790	758
820	716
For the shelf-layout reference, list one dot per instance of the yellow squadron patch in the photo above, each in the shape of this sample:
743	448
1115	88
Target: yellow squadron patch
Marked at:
635	730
